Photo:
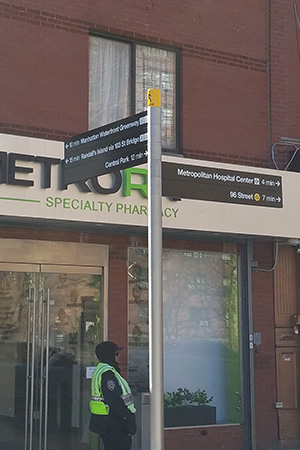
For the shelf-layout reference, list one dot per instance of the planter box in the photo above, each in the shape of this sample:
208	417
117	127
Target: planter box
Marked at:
189	416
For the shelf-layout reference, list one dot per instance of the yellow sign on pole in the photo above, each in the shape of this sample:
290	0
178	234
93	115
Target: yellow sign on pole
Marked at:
153	97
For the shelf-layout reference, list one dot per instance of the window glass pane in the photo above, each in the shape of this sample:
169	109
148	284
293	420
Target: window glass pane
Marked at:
201	332
138	319
109	81
156	68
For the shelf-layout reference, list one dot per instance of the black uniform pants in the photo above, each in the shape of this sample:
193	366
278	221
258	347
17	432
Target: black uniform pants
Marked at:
115	436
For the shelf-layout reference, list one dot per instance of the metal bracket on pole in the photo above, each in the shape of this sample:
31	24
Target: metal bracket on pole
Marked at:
155	271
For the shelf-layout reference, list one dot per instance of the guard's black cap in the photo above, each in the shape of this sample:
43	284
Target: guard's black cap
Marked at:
106	351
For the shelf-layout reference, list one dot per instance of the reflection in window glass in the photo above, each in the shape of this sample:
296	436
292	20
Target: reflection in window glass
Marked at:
201	327
155	69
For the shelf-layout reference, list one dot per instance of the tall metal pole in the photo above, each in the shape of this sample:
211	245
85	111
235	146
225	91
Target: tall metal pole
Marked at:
155	271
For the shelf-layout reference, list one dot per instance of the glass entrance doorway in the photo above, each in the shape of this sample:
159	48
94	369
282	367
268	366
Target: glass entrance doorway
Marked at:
49	324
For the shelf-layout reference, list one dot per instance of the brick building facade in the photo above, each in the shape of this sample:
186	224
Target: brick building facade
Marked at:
232	93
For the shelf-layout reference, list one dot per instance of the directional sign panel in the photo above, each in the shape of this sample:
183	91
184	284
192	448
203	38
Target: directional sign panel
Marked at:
112	147
219	185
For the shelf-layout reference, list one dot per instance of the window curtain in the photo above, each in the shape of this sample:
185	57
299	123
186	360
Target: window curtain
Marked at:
109	97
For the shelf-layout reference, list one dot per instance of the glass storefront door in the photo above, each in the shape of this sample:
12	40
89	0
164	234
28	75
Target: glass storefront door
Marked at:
49	324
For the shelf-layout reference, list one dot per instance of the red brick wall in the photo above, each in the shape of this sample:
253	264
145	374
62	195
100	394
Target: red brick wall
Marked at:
285	66
264	359
285	72
44	74
205	438
44	80
44	83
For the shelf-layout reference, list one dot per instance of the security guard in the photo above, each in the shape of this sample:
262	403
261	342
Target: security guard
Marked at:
111	405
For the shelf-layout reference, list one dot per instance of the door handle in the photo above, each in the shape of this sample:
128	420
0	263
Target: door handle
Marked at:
238	407
28	364
47	368
32	369
42	369
44	380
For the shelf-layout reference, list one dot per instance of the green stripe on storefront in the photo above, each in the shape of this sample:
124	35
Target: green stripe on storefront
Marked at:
20	199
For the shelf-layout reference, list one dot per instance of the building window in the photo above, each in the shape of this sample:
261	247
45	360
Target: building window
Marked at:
120	75
202	342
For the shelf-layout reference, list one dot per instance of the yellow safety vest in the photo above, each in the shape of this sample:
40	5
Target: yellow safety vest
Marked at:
97	403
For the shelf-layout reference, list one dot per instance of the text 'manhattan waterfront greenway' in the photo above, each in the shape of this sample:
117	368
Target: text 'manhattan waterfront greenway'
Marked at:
107	149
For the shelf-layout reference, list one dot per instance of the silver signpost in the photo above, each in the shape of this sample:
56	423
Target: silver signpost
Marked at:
155	271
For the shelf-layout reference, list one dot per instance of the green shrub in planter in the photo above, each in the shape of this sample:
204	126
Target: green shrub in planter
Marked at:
185	408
